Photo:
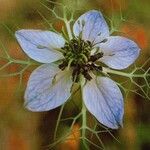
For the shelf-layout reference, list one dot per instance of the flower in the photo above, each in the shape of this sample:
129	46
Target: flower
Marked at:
49	85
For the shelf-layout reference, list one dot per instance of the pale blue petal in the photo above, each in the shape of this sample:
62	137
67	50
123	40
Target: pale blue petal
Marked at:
92	26
48	87
104	100
40	45
119	52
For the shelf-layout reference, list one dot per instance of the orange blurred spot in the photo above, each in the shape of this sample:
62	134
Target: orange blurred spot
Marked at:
59	25
15	51
16	142
73	141
137	33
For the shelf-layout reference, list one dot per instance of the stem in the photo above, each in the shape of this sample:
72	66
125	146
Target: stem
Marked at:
68	29
22	62
84	126
83	119
58	121
120	73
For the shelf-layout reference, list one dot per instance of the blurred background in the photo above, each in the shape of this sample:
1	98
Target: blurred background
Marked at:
24	130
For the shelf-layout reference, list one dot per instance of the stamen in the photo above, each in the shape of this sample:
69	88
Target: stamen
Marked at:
77	57
69	64
97	68
87	75
63	65
75	73
96	57
85	58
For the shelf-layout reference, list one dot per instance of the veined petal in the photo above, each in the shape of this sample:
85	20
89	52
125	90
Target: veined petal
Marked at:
48	87
104	100
119	52
91	26
40	45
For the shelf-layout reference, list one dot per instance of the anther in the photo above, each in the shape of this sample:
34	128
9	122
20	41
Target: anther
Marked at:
87	75
75	73
97	68
63	65
96	57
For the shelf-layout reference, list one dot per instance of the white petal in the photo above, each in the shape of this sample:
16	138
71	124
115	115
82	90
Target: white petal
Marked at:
104	100
46	90
40	45
92	25
119	52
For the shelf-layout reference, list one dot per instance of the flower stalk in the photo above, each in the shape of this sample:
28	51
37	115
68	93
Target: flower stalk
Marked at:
83	119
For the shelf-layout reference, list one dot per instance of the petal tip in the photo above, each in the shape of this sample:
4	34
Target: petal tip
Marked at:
114	126
17	33
26	106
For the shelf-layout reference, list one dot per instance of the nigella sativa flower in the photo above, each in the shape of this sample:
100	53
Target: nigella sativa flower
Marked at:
80	59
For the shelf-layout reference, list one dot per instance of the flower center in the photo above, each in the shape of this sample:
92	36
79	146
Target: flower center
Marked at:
77	53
